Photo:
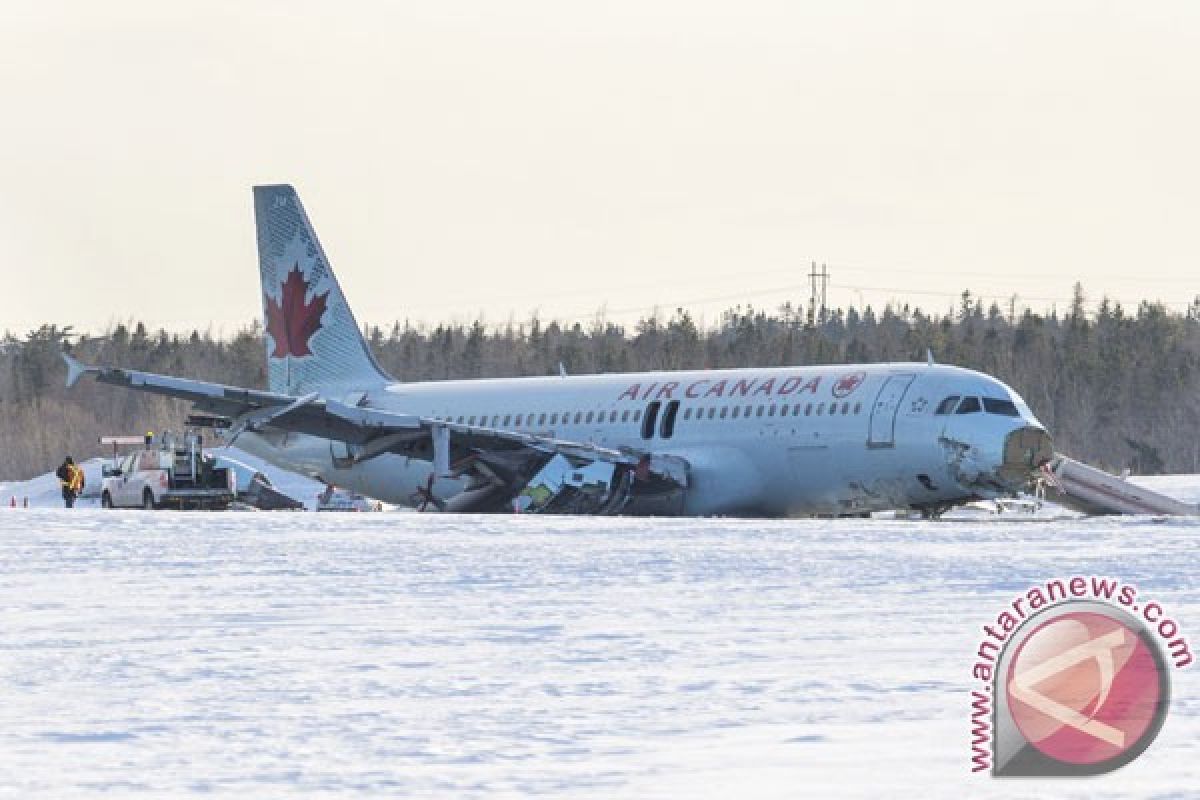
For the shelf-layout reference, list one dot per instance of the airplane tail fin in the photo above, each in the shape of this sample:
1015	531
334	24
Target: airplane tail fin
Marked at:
313	340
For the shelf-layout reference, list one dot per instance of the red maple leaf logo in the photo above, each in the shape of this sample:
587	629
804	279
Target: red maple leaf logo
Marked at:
848	384
292	322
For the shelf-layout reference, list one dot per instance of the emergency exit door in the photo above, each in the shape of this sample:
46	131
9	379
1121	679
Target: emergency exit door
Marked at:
882	431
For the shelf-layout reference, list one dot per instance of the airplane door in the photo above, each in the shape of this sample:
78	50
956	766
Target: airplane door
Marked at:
882	431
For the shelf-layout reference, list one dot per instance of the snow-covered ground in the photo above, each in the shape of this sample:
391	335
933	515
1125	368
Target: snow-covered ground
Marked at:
253	655
1181	487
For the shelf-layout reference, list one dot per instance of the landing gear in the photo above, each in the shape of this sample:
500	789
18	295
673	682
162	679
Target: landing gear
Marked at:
424	497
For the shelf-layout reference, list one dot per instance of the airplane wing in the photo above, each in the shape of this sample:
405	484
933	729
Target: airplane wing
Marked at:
499	466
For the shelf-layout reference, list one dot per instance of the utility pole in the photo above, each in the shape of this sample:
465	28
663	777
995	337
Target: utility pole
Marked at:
819	285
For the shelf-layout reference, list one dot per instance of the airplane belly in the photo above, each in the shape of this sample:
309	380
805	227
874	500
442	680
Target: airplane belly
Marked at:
390	478
724	480
395	479
813	479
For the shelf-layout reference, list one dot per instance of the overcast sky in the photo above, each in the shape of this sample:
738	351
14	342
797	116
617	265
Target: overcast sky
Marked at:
501	157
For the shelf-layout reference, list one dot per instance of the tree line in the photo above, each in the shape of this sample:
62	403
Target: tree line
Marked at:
1117	387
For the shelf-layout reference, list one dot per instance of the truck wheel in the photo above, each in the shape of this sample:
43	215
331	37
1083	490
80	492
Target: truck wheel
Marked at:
148	500
106	500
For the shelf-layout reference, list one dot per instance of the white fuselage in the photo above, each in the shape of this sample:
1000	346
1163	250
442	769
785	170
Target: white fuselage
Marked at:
760	442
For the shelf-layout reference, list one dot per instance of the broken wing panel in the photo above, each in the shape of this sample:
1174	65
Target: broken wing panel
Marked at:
503	470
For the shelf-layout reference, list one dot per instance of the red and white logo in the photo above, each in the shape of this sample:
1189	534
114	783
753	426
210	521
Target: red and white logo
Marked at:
1085	688
848	383
1074	679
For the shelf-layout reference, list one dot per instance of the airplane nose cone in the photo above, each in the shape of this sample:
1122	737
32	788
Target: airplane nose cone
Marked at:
1025	450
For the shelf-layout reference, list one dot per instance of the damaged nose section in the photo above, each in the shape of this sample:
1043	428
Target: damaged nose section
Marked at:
1025	451
986	464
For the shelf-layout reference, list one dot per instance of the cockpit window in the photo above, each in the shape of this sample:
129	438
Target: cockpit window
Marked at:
947	405
1004	408
969	405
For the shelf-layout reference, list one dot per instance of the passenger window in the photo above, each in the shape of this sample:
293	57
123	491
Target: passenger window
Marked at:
687	413
947	405
771	411
724	411
668	423
578	417
471	421
588	418
845	409
807	410
541	419
612	416
736	409
712	412
625	416
554	418
507	420
1004	408
651	418
969	405
637	415
857	407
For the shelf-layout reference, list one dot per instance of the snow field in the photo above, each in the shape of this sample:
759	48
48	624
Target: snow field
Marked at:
169	654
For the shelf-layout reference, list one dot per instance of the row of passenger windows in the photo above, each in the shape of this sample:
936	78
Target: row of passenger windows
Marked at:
954	404
602	417
808	410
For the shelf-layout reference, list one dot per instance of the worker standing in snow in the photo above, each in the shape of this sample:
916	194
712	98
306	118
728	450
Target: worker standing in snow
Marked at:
71	478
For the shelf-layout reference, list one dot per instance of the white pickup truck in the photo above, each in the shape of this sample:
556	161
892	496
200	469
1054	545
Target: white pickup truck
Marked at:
164	477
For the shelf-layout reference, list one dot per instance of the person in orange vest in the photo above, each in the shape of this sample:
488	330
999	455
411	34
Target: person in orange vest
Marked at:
71	478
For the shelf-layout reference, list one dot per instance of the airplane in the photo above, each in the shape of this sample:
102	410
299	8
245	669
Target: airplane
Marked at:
842	440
